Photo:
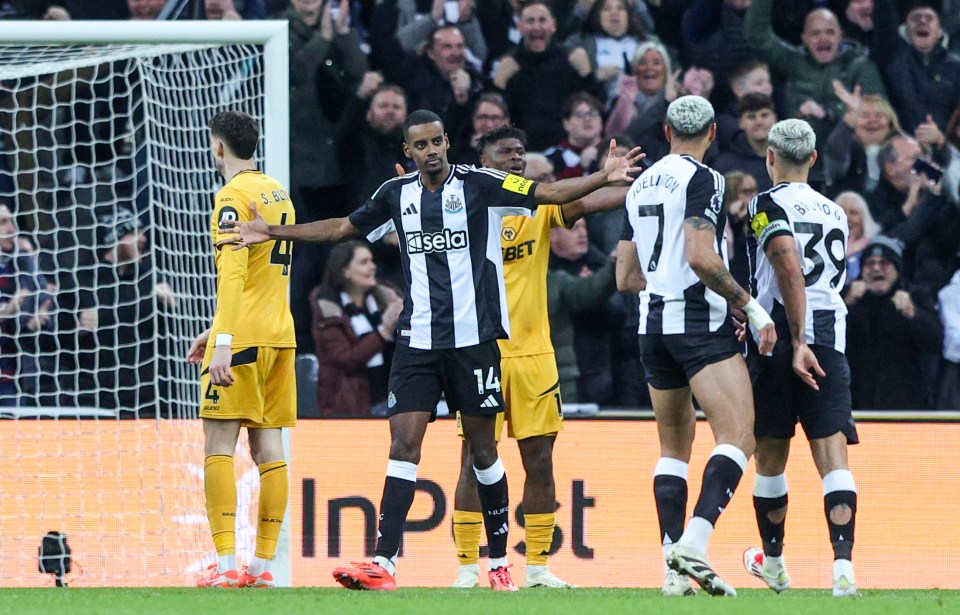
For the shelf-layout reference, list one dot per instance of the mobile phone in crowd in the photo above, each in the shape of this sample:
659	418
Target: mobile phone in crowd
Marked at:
923	166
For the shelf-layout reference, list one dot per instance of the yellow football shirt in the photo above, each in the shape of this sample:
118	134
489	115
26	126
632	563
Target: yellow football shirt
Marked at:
525	242
253	283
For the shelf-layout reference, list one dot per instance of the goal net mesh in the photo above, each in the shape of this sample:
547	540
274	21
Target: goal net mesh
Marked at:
106	276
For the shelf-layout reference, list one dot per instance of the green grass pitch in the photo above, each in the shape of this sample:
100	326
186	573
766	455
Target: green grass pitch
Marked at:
423	601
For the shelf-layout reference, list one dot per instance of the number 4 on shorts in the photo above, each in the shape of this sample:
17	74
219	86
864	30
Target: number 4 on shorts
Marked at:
492	384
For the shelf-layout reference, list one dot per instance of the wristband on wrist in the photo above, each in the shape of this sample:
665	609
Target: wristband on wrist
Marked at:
757	316
224	339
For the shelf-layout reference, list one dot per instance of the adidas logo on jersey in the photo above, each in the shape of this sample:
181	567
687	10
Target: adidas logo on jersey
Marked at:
490	402
410	210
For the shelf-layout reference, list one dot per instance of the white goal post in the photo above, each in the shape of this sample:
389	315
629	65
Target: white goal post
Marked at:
103	133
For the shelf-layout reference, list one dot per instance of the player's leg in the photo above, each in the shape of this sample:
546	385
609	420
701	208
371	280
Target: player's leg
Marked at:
723	389
676	427
467	520
266	448
472	383
770	505
827	420
532	393
776	395
223	411
220	489
415	387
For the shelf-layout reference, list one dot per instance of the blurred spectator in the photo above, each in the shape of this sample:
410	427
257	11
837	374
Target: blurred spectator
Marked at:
539	168
740	189
951	174
119	313
923	77
25	311
371	145
851	152
948	391
584	316
891	332
326	66
369	139
540	75
490	111
643	98
713	35
856	20
748	151
439	79
809	71
610	34
862	230
145	9
751	77
498	21
234	9
418	18
900	189
354	319
577	155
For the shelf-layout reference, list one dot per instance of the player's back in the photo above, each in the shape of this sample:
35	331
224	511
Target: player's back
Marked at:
819	229
525	242
254	282
675	300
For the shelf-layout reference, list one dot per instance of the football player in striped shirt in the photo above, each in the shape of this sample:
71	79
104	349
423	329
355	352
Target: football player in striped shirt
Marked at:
688	347
448	218
531	384
806	379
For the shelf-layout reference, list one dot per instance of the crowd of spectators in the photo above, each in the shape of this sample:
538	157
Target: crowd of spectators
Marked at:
879	80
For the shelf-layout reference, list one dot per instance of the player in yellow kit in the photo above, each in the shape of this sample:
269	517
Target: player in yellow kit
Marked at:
531	384
247	374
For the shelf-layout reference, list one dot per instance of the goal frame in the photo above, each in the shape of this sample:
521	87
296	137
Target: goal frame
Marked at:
271	34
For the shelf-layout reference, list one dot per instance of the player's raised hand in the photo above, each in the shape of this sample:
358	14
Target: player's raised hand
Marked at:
805	364
198	348
622	168
243	234
399	169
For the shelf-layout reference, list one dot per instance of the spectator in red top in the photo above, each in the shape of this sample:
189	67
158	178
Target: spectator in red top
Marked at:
576	155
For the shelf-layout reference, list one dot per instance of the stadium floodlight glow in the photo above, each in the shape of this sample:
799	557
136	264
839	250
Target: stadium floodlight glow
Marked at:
98	119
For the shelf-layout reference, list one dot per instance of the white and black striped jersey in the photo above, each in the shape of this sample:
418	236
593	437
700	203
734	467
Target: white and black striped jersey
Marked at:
450	250
819	228
672	190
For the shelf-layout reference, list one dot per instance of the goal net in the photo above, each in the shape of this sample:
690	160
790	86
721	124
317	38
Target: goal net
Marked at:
106	276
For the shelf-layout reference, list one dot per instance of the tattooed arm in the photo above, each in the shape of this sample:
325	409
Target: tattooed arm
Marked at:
700	236
781	251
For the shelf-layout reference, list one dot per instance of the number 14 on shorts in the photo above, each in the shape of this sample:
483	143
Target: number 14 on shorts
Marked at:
492	382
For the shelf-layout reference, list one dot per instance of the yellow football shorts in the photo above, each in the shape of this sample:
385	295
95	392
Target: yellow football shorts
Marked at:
531	390
264	390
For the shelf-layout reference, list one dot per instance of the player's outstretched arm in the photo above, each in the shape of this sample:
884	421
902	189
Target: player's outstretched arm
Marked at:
604	199
781	251
615	169
700	235
630	278
243	234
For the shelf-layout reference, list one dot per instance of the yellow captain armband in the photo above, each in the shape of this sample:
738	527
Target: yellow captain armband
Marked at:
515	183
759	222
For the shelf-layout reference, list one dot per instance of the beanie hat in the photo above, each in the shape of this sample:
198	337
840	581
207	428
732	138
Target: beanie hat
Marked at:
114	226
885	247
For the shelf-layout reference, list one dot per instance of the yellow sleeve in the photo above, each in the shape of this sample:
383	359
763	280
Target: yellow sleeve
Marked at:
232	264
556	216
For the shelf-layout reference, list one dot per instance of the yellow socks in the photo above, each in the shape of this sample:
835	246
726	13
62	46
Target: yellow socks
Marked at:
467	527
274	487
220	486
539	537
